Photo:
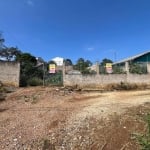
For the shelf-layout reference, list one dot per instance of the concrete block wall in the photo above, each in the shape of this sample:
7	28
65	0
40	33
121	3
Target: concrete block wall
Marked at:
10	73
137	78
97	80
84	80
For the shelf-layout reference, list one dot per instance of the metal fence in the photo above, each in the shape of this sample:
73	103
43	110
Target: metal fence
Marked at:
54	79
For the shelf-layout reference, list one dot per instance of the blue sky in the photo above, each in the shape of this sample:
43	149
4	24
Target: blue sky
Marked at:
92	29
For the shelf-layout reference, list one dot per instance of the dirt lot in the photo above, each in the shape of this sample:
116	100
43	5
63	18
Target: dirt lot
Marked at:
52	118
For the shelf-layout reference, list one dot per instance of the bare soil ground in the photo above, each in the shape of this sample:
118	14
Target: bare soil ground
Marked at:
51	118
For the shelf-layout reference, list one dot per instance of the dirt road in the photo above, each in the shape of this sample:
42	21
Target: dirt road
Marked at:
50	118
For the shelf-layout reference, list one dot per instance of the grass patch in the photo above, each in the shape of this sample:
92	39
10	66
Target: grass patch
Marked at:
144	139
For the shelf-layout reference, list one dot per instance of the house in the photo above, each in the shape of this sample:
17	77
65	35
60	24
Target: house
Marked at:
58	60
93	67
60	64
142	59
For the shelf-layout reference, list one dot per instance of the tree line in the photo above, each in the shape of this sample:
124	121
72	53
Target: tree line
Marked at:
31	71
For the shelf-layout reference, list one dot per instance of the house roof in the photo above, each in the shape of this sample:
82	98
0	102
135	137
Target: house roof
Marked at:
131	58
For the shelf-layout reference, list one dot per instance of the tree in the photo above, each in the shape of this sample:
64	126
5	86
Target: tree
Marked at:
28	63
136	68
88	63
68	62
26	58
118	70
9	54
52	62
103	65
2	40
82	65
105	60
28	68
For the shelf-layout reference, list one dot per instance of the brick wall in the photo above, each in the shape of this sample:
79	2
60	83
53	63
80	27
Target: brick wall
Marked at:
10	73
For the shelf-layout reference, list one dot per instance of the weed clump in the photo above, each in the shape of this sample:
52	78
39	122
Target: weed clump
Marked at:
35	82
144	139
125	86
48	146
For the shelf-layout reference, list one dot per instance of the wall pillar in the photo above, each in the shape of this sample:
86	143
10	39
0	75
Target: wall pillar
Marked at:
148	68
97	67
127	67
63	72
127	71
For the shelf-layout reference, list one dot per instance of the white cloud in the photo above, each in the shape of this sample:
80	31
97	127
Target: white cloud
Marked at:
91	49
30	2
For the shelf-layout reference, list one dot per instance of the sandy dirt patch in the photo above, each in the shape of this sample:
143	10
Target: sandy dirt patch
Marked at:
49	118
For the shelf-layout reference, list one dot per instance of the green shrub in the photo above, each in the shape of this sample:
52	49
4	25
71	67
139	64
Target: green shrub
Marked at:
34	82
138	69
118	70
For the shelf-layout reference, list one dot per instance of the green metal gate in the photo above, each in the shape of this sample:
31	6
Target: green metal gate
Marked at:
54	78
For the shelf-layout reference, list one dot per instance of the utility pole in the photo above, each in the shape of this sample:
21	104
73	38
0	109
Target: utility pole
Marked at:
115	56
